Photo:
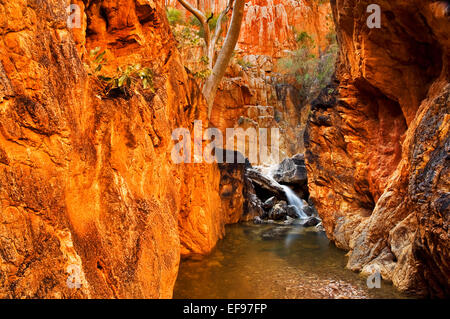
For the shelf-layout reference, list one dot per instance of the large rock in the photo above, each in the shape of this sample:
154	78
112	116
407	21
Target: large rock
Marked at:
292	171
233	186
279	211
311	221
89	195
378	141
266	187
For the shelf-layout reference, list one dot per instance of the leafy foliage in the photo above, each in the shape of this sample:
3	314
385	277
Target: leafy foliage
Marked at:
174	16
186	37
124	78
304	38
205	72
212	22
311	72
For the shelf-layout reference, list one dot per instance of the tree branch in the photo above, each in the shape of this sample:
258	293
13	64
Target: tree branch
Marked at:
196	12
217	32
201	18
225	54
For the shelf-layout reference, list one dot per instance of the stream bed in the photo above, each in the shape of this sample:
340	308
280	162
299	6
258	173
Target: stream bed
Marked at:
274	261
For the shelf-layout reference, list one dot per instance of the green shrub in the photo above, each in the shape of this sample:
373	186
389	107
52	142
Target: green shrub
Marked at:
312	73
123	80
186	37
174	16
212	22
202	74
304	38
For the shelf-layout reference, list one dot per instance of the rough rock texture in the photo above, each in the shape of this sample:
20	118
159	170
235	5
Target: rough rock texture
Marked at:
88	191
269	26
378	144
237	194
292	172
267	186
255	97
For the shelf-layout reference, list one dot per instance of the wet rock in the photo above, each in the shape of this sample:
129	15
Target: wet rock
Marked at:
289	220
291	211
310	210
258	220
279	211
319	227
254	207
292	171
312	221
264	186
268	204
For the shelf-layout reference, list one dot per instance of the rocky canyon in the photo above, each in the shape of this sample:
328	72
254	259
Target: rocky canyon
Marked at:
87	185
378	143
93	204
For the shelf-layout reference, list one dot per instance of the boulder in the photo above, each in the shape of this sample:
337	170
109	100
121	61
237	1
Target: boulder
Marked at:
310	210
291	211
268	204
264	186
292	171
279	211
275	233
312	221
254	206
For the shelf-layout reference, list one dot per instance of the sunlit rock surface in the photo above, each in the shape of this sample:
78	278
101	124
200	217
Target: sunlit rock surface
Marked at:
88	191
269	26
378	144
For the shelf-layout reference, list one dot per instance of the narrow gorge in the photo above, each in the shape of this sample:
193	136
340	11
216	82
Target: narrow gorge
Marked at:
109	186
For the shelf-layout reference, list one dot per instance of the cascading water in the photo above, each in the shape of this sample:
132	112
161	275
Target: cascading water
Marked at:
292	198
295	201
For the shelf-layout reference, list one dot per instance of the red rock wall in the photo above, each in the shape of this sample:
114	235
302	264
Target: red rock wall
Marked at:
86	181
268	25
378	144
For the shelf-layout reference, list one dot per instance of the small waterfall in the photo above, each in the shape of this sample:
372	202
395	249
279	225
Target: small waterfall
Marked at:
295	201
292	198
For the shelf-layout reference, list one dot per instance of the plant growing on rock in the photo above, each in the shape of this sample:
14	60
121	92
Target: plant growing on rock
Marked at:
311	72
174	16
123	80
205	72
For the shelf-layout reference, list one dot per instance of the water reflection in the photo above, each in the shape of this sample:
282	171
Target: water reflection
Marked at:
274	261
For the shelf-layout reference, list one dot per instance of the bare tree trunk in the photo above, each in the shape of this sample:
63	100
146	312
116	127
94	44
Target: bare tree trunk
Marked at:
217	33
219	67
225	54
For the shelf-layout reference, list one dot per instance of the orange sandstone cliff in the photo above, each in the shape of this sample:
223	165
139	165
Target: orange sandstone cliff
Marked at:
269	26
89	195
378	143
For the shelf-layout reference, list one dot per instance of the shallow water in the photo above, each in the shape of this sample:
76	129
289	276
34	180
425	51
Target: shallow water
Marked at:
273	261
